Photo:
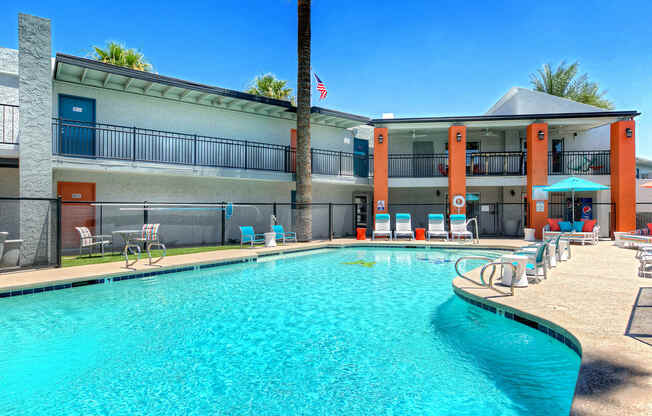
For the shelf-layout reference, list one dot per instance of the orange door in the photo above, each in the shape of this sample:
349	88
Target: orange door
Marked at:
76	214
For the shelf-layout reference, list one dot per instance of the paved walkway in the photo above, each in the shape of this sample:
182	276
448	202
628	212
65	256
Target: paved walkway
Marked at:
598	298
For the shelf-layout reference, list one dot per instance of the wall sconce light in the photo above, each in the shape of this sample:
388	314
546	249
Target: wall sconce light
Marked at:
541	135
628	133
458	136
438	192
512	192
380	138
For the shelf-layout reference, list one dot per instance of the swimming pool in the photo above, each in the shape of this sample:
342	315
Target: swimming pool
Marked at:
355	331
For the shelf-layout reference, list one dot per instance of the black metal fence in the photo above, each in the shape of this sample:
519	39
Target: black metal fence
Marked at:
115	142
417	166
29	232
9	124
496	164
586	162
643	215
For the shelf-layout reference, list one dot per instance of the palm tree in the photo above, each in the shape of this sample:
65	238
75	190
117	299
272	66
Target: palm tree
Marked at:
117	54
268	86
563	82
304	178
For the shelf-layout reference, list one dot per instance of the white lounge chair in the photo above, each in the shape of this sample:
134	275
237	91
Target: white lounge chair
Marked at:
436	227
458	227
89	242
403	226
382	226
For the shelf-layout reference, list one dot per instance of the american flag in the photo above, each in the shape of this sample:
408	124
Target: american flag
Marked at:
321	88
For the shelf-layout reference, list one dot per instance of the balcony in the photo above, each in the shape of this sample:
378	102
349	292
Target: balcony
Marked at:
8	124
586	162
417	166
115	142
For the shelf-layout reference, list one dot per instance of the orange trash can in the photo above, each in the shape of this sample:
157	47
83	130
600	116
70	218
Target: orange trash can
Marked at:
420	233
361	233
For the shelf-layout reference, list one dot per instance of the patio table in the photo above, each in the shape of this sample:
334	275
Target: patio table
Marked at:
125	235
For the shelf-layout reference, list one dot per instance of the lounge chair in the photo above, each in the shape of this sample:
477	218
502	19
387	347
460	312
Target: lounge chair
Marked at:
247	235
537	263
282	235
90	242
458	227
403	226
382	226
151	237
436	227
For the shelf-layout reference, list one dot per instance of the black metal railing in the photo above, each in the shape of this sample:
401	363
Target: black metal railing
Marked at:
496	164
110	141
417	166
586	162
8	124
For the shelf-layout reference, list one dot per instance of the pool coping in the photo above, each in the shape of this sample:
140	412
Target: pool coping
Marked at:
127	274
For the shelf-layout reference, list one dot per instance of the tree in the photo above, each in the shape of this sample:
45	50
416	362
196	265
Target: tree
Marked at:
268	86
304	175
117	54
564	82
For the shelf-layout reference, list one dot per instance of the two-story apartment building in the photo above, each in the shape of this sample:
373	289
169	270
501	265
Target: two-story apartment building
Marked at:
90	131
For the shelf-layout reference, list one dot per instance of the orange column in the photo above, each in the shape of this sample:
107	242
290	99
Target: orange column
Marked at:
456	166
293	150
381	192
623	174
537	174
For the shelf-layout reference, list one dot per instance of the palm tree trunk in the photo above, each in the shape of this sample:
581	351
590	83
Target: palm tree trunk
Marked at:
303	165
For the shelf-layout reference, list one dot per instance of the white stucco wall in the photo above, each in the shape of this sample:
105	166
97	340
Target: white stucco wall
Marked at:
129	109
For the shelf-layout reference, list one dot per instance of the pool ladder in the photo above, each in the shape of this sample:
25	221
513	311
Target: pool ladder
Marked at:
490	263
476	239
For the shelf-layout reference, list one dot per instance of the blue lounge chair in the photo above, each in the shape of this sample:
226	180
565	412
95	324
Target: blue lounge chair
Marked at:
282	235
247	235
537	263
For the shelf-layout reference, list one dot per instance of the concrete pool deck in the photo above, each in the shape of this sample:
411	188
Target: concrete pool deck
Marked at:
596	296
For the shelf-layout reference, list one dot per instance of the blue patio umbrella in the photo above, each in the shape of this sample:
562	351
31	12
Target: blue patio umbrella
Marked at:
574	184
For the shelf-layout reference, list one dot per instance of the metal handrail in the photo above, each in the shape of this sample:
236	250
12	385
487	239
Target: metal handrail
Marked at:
476	239
491	264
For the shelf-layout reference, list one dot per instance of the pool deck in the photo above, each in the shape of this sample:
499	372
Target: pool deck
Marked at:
596	296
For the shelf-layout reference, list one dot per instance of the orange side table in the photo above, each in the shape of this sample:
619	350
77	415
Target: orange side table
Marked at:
420	233
361	233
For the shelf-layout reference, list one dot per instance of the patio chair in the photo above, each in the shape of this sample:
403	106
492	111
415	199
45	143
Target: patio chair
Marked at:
151	237
458	227
90	242
382	226
248	236
537	264
403	226
436	226
282	235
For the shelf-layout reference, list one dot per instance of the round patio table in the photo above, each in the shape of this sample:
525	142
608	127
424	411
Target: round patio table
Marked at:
125	235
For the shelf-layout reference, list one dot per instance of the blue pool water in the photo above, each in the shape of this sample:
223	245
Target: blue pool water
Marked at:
302	335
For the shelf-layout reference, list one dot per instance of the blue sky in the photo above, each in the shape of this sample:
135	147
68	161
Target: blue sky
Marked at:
411	58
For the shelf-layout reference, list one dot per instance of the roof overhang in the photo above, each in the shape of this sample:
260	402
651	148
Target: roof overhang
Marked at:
579	121
89	72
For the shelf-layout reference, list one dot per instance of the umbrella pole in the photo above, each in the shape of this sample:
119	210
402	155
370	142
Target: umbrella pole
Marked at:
573	207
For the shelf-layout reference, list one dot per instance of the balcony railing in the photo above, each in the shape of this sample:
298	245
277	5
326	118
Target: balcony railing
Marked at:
496	164
417	166
8	124
109	141
587	162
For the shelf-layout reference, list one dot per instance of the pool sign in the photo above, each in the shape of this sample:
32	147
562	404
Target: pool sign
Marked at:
540	207
539	193
380	205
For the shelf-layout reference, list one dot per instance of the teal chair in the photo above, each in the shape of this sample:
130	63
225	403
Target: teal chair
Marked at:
536	259
282	235
248	236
